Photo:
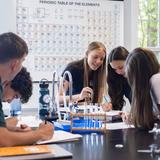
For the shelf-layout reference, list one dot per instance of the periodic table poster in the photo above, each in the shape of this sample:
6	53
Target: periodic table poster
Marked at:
59	31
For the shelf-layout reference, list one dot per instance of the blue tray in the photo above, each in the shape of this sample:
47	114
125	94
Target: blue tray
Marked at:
79	123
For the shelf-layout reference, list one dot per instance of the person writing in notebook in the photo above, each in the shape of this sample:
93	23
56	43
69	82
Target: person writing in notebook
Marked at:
118	86
20	87
142	70
88	74
13	51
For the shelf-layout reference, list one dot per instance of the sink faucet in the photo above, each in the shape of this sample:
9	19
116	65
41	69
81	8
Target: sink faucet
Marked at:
70	104
55	98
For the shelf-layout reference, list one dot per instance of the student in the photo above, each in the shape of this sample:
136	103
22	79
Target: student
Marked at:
141	67
13	51
117	83
19	87
88	74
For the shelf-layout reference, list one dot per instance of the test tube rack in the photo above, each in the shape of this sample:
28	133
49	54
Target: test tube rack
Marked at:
93	122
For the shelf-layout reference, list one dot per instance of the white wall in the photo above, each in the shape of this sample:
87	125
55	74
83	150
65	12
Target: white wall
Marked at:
7	22
130	24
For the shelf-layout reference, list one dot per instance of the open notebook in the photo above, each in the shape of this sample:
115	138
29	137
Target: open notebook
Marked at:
61	136
33	152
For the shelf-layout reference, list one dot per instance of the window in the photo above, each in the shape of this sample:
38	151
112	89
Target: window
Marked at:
149	25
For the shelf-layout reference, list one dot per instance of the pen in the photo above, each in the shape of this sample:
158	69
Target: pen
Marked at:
45	120
107	99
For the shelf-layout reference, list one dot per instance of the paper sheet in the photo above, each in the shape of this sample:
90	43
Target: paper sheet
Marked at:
61	136
113	113
31	121
118	125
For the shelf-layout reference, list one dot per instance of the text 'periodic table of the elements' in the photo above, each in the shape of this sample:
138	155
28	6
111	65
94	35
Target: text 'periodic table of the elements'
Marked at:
59	31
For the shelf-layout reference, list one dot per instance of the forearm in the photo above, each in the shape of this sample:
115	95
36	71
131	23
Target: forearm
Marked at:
75	98
9	138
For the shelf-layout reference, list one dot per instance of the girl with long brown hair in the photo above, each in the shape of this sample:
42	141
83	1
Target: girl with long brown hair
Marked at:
141	67
117	83
88	74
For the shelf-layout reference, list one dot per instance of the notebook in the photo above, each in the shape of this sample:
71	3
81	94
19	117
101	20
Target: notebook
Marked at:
56	152
61	136
24	150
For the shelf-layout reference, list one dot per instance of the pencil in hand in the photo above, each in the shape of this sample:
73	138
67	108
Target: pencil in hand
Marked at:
45	120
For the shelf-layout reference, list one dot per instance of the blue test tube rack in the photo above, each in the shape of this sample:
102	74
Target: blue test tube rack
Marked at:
93	122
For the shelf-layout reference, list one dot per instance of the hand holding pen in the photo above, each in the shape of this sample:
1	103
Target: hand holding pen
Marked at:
45	119
46	130
107	106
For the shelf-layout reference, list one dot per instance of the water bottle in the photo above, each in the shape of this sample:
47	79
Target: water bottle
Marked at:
15	107
44	99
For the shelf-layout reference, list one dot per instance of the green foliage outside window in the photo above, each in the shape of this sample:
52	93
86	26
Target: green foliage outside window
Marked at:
148	26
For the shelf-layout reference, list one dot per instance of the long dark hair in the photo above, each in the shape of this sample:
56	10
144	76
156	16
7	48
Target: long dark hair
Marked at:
140	65
99	77
116	82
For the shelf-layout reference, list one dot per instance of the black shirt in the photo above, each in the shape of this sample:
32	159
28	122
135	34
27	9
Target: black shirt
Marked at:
77	71
127	91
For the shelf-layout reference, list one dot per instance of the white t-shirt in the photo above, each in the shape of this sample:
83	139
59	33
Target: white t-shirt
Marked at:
155	87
